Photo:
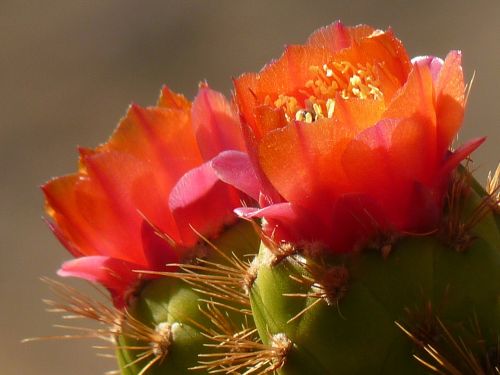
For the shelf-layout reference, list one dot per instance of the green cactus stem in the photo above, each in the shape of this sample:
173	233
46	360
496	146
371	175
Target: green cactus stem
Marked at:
170	308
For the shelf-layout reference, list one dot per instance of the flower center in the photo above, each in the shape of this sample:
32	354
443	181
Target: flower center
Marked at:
321	90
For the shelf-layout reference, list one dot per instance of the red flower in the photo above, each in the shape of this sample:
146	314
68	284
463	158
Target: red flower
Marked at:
153	176
348	138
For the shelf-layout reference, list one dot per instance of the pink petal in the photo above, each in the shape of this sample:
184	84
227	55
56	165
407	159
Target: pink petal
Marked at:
235	168
281	211
247	212
288	222
114	274
460	154
200	201
432	62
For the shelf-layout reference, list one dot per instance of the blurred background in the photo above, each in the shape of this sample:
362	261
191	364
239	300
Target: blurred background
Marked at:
69	69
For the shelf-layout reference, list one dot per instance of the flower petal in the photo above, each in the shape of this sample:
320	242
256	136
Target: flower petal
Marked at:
126	197
235	168
450	100
114	214
114	274
287	76
302	161
64	196
460	154
287	221
202	202
358	114
390	123
336	36
157	248
158	136
215	124
172	100
432	62
416	97
383	162
377	48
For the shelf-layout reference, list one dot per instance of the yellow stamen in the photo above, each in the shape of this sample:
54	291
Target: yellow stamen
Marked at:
326	82
330	107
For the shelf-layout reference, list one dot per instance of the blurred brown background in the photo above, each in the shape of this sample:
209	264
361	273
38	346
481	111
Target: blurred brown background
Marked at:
68	70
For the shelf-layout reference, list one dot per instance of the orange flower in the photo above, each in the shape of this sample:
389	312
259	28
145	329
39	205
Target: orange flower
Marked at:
349	137
152	178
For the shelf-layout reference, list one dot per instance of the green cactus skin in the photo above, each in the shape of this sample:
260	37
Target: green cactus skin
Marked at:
168	301
358	334
173	301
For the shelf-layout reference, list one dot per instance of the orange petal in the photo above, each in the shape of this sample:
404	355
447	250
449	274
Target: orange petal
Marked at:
85	216
336	36
133	189
246	99
302	161
358	114
215	124
415	101
129	176
172	100
370	173
270	118
450	102
290	73
163	137
285	76
62	205
382	49
416	97
385	161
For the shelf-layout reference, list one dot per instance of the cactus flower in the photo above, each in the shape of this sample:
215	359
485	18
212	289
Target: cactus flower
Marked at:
152	179
349	138
370	229
376	251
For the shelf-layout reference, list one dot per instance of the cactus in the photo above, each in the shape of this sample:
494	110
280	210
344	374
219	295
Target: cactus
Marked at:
363	244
